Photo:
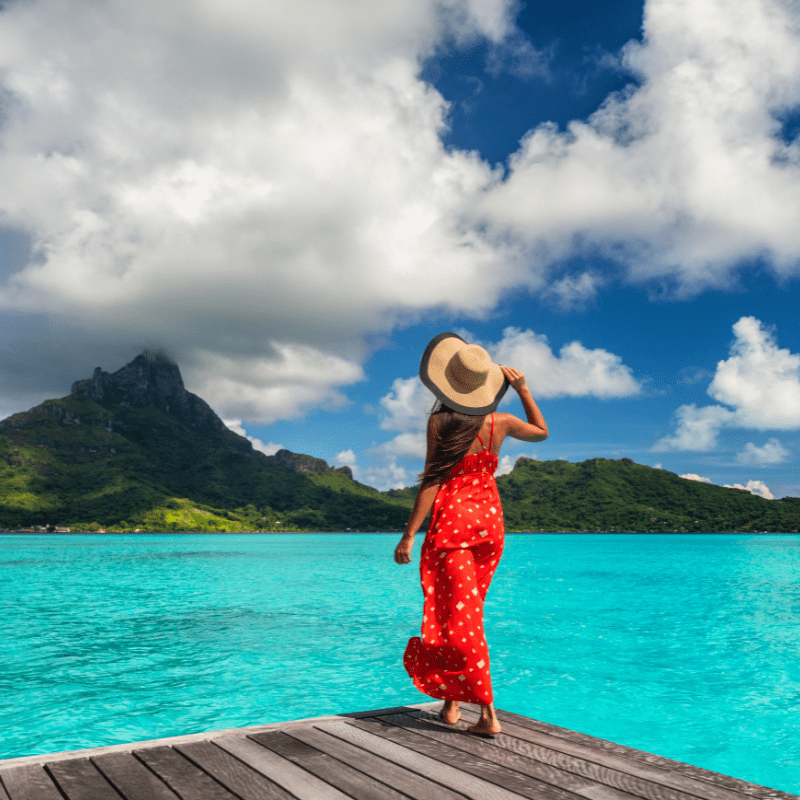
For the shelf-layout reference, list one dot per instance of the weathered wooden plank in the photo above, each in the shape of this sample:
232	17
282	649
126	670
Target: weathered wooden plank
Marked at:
171	741
79	779
413	785
352	782
500	750
30	782
242	780
294	779
597	773
410	754
632	766
131	778
183	777
476	765
725	781
360	733
579	738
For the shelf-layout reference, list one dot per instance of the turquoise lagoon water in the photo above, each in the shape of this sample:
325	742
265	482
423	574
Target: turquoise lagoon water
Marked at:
686	646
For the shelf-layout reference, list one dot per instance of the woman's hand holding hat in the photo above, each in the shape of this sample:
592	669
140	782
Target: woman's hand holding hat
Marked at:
514	377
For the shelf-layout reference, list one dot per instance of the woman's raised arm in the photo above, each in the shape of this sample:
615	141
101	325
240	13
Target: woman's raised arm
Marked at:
535	429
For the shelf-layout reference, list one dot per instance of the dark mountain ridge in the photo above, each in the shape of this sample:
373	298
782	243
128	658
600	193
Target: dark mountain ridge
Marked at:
136	447
151	380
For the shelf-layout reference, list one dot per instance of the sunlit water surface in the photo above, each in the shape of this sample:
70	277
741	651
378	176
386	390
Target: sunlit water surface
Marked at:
685	646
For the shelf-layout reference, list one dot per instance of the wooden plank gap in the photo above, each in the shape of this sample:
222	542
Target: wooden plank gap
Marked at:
354	783
131	778
30	782
181	775
649	772
546	779
79	779
718	778
502	751
232	773
302	784
597	773
376	737
389	773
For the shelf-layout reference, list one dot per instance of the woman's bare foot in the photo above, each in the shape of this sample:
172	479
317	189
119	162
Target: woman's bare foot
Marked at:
488	724
450	713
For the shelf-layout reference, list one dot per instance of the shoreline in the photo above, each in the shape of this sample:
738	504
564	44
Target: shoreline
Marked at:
391	533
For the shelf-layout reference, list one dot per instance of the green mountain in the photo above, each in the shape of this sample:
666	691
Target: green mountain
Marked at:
604	495
134	449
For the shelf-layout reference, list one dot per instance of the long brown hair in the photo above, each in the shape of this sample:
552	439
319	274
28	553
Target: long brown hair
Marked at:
450	434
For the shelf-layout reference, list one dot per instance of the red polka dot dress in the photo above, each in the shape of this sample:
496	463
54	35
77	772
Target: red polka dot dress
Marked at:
450	660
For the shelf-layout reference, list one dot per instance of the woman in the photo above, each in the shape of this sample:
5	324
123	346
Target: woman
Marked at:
450	660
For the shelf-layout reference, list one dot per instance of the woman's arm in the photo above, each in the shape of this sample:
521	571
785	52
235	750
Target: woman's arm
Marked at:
422	505
535	429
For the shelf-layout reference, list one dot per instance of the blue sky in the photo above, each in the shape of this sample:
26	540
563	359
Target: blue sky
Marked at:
294	204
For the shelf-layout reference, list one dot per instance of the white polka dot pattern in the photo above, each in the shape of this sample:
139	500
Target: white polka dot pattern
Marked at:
451	660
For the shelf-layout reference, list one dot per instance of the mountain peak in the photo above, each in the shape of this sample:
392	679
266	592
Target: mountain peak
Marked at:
151	380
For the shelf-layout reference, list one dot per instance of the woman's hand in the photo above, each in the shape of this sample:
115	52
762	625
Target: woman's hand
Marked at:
514	377
402	553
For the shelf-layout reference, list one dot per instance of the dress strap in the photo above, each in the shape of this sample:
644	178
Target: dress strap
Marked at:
491	436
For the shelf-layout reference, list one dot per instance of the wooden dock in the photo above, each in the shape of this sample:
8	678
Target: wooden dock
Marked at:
386	754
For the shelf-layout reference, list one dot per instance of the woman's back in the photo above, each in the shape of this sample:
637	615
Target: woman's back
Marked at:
497	426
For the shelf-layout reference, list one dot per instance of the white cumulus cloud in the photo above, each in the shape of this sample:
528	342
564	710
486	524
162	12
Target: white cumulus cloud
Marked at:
573	292
754	487
575	372
773	452
760	381
268	449
684	175
697	428
241	180
406	406
230	180
385	474
507	462
279	385
692	476
347	458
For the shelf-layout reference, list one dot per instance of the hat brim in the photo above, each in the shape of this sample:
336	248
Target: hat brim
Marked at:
432	372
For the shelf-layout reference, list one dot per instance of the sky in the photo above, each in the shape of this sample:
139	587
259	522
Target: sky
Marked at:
292	199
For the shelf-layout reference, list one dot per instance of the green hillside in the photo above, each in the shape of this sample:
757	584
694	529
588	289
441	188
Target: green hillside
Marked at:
72	462
603	495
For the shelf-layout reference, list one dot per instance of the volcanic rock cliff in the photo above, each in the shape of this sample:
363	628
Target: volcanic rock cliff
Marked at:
151	381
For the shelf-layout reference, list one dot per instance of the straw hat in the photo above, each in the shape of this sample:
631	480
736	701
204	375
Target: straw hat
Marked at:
462	375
